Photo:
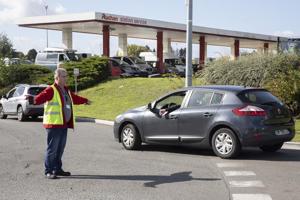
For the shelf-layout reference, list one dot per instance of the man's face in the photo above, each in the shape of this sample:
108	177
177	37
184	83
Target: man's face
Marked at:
62	78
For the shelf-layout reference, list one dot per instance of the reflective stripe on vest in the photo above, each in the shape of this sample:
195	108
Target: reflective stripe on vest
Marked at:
53	111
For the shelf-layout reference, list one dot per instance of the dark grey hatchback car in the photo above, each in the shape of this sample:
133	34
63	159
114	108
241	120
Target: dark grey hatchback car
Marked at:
223	117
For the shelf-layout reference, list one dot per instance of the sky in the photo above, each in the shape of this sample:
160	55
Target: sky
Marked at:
272	17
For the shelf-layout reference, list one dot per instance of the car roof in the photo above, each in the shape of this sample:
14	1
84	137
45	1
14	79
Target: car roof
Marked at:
27	85
226	88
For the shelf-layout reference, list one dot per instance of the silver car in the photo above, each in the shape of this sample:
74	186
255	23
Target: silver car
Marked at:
226	118
16	102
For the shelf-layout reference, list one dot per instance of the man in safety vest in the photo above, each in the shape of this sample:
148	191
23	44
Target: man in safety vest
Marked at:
58	117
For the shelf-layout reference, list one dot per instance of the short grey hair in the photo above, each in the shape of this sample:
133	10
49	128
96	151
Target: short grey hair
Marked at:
58	72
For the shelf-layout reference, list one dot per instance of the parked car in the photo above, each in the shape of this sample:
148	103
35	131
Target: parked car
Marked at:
176	65
137	63
123	69
16	102
16	61
226	118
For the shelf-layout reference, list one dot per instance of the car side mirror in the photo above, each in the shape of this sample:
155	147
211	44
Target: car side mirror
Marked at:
149	106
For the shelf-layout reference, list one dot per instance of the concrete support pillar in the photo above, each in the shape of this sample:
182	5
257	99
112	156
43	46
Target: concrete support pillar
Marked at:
122	51
260	50
159	47
105	32
235	49
167	46
266	47
67	38
202	51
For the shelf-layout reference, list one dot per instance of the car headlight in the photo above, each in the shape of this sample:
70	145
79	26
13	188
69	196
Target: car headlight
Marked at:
119	118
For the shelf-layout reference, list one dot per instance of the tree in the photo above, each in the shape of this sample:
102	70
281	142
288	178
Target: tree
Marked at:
6	47
31	54
135	50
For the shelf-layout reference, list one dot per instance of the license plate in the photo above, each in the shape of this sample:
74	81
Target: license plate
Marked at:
282	132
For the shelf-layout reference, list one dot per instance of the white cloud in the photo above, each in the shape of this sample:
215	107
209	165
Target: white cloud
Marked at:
11	10
285	33
59	9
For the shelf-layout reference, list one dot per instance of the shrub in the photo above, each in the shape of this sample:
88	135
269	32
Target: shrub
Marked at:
277	73
16	74
92	71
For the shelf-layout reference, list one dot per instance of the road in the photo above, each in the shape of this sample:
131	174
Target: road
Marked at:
102	169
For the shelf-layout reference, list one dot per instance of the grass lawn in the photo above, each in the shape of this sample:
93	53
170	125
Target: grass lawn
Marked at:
116	96
297	137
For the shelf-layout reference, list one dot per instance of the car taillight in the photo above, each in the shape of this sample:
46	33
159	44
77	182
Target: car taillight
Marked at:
249	111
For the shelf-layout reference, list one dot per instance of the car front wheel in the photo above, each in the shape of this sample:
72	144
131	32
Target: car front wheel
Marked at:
2	115
130	137
225	144
21	115
271	148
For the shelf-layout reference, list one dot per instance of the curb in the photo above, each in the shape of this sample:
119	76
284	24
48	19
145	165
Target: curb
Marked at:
92	120
111	123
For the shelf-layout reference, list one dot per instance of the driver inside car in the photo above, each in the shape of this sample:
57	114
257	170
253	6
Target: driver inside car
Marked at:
168	108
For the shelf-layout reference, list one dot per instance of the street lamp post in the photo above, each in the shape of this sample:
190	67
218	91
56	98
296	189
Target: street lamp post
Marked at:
189	25
46	8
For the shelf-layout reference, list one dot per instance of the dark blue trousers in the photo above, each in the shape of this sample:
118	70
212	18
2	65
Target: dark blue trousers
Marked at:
56	142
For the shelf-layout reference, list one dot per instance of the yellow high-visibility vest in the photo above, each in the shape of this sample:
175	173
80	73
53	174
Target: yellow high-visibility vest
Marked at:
53	110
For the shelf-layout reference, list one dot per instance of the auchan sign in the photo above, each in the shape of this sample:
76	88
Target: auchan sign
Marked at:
121	19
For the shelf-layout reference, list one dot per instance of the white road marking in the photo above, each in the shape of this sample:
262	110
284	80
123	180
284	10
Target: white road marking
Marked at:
246	184
239	173
222	165
251	197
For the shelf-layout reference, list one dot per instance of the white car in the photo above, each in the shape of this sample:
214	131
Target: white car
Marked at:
16	102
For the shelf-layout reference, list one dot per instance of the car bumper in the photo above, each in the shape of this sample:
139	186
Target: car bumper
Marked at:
116	131
268	135
34	111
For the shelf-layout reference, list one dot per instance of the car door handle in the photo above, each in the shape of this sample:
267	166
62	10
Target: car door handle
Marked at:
207	114
173	117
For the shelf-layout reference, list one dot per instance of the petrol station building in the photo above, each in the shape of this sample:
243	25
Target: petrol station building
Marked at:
163	32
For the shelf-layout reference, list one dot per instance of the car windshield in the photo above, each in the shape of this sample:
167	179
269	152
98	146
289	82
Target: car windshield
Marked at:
72	56
137	60
258	97
35	90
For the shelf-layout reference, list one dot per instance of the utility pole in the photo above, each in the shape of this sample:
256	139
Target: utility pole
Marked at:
46	8
188	58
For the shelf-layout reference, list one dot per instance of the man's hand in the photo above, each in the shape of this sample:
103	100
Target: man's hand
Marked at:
162	112
88	102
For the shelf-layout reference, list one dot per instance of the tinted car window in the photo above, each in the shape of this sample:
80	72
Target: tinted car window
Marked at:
200	98
128	61
35	90
258	97
217	98
174	99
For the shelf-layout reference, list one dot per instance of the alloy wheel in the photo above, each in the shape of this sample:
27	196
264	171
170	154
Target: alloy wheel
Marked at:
223	143
128	137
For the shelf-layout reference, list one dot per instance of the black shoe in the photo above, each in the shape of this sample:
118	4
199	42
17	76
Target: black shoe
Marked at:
50	176
62	173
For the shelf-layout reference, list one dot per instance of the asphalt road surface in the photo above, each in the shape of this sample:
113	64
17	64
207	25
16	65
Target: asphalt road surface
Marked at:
102	169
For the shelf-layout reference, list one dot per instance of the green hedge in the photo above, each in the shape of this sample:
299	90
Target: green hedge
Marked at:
16	74
92	71
278	73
